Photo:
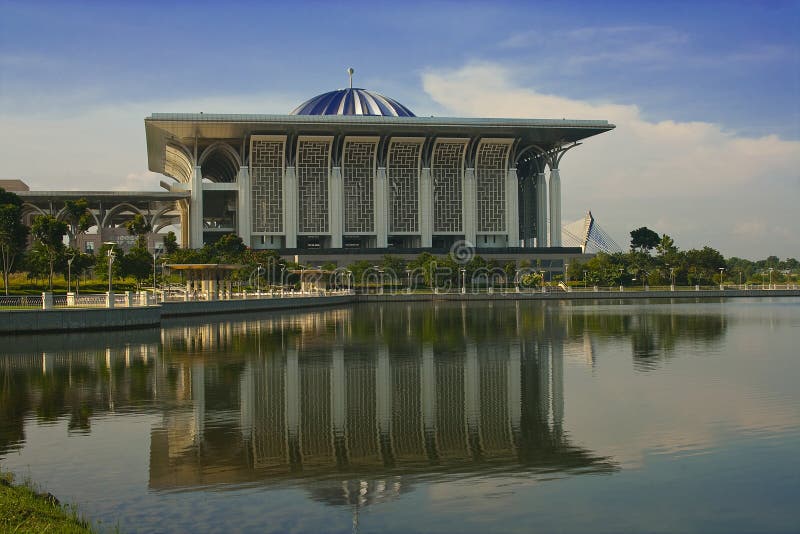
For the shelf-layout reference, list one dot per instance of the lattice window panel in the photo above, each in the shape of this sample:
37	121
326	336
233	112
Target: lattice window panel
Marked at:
402	171
358	168
490	176
312	185
447	173
266	179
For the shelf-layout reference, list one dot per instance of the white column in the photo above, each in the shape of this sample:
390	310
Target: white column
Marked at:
541	210
290	208
470	206
555	208
381	208
426	208
512	208
244	211
336	206
196	210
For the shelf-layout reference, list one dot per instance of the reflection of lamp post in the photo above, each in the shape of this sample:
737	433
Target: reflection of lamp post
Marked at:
463	281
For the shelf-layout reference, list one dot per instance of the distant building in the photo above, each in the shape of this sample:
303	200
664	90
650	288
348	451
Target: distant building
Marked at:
14	185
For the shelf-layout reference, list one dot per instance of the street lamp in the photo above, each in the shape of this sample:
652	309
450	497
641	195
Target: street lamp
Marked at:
110	254
770	278
380	287
156	253
721	271
463	281
672	278
566	274
258	279
70	258
541	273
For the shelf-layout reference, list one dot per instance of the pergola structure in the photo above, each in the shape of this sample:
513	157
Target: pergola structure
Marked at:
207	281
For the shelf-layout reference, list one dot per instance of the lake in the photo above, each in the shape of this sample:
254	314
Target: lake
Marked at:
607	416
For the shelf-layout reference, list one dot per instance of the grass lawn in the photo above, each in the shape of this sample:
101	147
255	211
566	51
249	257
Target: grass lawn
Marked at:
23	509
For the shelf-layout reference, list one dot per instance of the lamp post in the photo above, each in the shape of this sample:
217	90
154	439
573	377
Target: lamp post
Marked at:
156	254
541	273
380	281
463	281
770	278
566	274
408	278
110	254
672	278
584	279
70	257
258	280
721	271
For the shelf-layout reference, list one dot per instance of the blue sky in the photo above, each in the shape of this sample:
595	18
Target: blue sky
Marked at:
79	66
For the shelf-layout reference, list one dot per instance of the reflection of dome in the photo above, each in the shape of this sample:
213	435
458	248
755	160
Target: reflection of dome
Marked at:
352	101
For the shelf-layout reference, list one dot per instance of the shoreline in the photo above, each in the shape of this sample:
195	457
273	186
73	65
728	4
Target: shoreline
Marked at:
93	319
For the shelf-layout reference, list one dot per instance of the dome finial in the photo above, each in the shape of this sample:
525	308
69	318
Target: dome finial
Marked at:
350	72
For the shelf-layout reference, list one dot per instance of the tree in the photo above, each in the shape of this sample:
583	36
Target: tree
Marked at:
229	249
49	232
170	243
13	234
101	262
138	263
78	217
139	227
644	239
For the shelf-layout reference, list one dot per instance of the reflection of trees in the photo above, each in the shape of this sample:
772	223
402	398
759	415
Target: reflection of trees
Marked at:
654	333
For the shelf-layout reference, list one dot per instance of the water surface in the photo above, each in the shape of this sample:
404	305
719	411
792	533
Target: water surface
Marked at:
637	416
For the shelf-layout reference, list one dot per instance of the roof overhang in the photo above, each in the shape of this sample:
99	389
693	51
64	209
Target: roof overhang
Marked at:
162	129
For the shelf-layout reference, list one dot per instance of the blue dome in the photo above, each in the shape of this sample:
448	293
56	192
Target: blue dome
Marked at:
352	101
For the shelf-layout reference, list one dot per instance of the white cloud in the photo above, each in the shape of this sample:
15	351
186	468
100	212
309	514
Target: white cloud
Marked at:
692	180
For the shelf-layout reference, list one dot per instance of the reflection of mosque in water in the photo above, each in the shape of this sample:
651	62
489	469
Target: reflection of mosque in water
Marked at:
346	402
360	400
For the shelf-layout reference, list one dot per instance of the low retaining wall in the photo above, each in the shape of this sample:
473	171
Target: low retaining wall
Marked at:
181	309
62	320
65	319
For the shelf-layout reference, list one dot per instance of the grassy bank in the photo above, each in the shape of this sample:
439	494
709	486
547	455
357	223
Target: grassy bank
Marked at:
23	509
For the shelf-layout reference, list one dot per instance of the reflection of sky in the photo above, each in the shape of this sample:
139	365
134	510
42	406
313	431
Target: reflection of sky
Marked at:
706	438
